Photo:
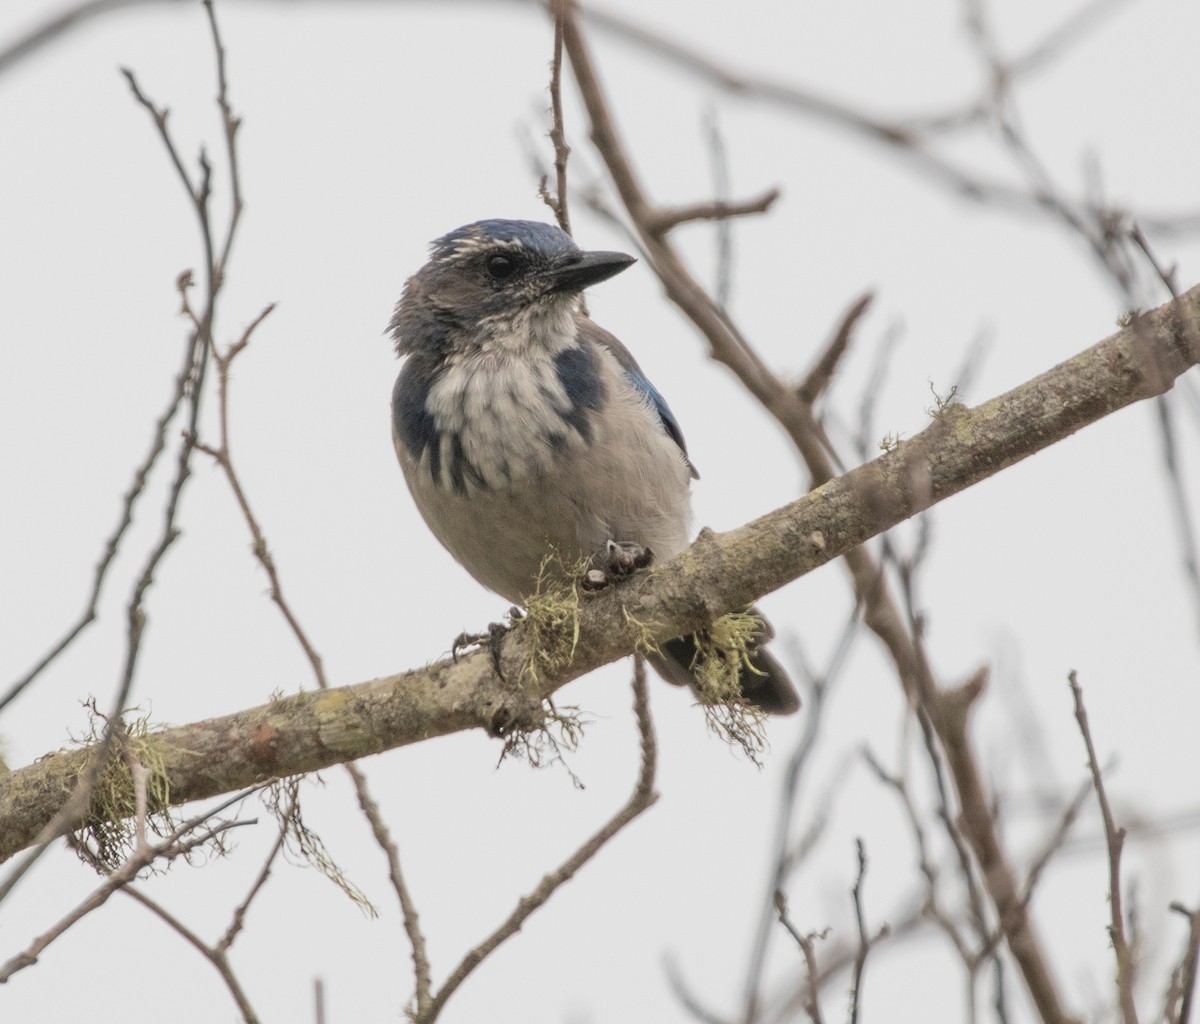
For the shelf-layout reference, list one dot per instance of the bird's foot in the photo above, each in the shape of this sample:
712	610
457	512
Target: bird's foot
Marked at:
493	638
618	560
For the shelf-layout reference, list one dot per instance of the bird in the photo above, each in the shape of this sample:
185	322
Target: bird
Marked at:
524	428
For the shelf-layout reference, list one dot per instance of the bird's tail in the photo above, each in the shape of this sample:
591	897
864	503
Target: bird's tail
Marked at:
764	683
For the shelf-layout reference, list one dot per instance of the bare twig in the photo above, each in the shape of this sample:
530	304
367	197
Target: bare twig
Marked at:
191	383
223	457
719	573
408	909
238	920
1167	275
912	138
687	998
558	136
1185	522
931	906
979	827
782	859
665	218
723	277
230	122
884	618
178	843
112	544
1116	839
218	953
818	378
215	955
807	944
642	798
1056	840
1182	993
864	937
319	999
966	779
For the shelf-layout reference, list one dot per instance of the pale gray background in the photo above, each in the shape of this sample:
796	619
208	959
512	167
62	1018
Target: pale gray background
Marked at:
372	128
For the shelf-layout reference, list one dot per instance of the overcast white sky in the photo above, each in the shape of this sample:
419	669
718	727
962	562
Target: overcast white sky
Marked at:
370	129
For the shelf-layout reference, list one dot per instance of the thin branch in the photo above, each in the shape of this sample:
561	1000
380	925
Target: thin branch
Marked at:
112	544
238	920
230	122
1167	275
818	378
931	905
408	909
1183	979
950	719
782	859
723	277
558	136
807	944
967	787
641	799
319	999
224	458
1185	523
718	574
215	955
687	998
911	139
179	842
729	346
1067	33
193	386
1116	839
665	218
864	937
1056	840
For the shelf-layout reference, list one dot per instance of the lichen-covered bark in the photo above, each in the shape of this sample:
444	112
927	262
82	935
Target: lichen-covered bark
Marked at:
718	574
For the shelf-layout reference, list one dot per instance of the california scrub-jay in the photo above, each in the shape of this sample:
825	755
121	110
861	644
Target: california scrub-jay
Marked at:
523	428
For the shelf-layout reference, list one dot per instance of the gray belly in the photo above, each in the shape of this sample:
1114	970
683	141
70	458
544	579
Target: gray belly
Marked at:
621	489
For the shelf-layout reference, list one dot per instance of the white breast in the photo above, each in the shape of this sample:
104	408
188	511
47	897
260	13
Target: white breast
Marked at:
544	488
505	412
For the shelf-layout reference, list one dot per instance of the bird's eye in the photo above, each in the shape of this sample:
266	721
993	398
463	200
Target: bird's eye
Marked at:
501	267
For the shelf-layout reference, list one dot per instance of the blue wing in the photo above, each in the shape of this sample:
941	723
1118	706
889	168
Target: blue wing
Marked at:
634	375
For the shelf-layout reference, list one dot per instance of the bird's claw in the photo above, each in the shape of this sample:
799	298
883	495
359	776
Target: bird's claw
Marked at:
493	638
625	557
464	640
618	560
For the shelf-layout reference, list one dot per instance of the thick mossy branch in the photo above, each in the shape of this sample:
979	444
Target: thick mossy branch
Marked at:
552	619
720	573
105	836
642	634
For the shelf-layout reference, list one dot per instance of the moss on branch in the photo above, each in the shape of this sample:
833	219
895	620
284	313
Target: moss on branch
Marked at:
720	573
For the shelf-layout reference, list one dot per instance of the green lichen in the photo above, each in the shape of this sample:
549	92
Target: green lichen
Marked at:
304	847
942	403
643	634
559	733
723	653
105	837
552	618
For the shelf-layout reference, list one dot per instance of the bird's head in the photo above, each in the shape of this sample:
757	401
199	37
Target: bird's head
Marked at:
485	276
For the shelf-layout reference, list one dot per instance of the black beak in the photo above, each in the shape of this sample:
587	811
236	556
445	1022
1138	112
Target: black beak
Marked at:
578	270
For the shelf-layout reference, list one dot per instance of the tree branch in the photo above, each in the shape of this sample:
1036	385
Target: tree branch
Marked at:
718	574
1115	841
